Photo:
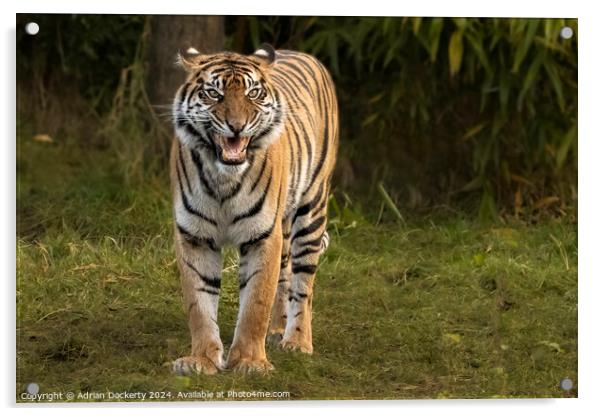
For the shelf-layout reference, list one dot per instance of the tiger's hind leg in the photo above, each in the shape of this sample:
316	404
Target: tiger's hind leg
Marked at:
278	319
308	239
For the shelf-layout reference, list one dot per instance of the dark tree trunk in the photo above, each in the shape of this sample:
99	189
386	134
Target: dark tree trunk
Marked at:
170	34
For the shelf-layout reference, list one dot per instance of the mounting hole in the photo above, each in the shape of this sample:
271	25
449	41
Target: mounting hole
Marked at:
33	388
566	384
32	28
566	32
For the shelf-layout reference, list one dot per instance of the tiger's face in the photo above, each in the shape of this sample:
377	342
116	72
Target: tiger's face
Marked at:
227	105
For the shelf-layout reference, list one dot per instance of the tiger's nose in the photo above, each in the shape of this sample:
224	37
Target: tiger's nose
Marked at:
236	127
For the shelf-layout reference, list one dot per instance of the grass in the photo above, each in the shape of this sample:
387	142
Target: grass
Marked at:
432	308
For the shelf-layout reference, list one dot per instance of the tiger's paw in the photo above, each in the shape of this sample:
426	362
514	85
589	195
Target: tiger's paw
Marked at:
247	366
190	365
275	338
297	344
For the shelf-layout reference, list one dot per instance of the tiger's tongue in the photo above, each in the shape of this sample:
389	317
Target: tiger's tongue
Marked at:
234	149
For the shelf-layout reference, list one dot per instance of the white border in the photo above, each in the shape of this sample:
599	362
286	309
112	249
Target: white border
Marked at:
590	276
467	8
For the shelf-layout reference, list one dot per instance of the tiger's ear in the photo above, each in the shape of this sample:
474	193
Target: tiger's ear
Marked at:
266	53
189	59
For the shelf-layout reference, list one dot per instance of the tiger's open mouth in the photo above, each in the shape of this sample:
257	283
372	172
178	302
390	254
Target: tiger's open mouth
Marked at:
232	150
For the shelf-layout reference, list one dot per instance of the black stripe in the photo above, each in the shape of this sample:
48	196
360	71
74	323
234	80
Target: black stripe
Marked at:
189	208
199	166
299	159
254	121
197	241
239	185
305	252
320	163
293	97
183	168
310	151
320	207
214	282
183	93
254	210
260	174
192	305
314	92
234	190
311	71
244	284
192	131
218	71
211	61
312	243
300	129
244	247
317	223
211	292
189	93
284	259
324	109
228	64
305	209
298	74
323	154
256	143
304	268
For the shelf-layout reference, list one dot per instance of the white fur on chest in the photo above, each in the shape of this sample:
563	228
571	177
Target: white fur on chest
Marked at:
224	215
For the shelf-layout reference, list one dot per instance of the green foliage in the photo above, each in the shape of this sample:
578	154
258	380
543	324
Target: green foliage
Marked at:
88	50
502	91
474	113
140	140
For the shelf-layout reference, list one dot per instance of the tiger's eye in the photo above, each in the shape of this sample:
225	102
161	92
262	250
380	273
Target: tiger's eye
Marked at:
254	93
213	94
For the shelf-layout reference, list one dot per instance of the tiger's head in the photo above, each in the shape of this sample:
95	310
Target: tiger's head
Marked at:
227	104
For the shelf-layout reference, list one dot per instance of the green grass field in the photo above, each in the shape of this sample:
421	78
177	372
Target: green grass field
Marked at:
441	307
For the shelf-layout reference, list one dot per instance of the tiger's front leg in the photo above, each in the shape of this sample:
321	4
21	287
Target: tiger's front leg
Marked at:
200	269
259	270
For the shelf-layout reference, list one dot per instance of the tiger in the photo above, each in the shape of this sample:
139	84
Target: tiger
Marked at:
255	146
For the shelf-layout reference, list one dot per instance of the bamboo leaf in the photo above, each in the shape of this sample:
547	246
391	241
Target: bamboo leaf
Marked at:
552	72
473	185
370	119
435	36
477	47
504	90
563	150
455	51
530	78
526	41
389	203
544	202
416	21
473	131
